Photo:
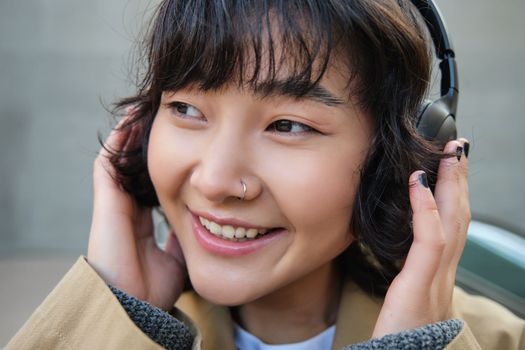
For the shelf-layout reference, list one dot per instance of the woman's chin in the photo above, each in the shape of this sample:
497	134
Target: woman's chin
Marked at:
224	293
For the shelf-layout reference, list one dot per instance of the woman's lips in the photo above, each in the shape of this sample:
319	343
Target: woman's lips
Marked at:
220	246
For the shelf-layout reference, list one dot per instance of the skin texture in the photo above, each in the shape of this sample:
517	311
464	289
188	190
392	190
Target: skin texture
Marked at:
304	182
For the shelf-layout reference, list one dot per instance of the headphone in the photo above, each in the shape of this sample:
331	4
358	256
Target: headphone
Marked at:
437	119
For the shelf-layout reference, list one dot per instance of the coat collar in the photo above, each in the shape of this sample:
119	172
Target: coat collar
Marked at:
356	316
355	321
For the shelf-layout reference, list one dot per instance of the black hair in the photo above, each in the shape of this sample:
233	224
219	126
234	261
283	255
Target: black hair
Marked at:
384	48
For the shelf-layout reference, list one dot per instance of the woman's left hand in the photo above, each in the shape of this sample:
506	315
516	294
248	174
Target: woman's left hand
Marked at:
422	292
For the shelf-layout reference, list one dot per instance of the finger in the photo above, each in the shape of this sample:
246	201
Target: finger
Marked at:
464	209
118	140
452	176
105	184
425	253
451	194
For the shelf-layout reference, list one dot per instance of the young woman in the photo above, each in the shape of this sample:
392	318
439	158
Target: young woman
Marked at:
279	140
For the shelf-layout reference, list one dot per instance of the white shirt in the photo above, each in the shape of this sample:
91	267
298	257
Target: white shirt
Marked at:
247	341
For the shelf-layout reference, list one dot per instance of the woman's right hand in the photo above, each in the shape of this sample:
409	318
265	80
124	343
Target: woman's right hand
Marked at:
122	247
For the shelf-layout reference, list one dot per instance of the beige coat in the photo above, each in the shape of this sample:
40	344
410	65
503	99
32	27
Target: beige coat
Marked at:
82	313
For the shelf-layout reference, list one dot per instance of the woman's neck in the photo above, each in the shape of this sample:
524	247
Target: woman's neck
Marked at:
296	312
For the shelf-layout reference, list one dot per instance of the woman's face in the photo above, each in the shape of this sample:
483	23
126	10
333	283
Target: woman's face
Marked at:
300	160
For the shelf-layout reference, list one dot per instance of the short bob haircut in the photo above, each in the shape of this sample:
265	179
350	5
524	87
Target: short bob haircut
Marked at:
384	46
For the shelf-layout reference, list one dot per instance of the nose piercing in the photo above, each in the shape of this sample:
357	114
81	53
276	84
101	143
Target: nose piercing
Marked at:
243	190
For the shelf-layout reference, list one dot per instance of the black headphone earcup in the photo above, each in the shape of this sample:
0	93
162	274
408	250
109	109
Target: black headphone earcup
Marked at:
436	123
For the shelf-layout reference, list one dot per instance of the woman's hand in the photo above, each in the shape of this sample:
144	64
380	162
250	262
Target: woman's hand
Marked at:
422	292
122	247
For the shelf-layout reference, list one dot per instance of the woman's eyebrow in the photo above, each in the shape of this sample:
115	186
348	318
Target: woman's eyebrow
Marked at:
323	95
317	93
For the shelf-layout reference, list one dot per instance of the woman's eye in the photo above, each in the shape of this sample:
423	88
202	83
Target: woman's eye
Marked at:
290	126
185	110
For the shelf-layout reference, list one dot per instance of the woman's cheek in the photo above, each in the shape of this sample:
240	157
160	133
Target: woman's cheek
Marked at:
169	160
317	200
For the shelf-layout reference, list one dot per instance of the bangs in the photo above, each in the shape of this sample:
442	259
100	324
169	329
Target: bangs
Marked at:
264	45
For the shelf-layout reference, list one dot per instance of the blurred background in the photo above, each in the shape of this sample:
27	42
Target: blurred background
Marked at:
60	61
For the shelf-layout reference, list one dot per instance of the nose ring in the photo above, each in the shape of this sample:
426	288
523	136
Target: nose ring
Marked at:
243	190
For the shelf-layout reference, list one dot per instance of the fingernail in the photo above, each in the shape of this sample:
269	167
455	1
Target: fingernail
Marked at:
459	152
423	179
466	147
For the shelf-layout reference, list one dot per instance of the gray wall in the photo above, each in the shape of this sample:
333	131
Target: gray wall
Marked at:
59	58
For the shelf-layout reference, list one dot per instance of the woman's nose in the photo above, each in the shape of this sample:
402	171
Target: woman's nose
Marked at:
222	170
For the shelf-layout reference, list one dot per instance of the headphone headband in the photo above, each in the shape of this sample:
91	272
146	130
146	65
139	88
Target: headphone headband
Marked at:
436	26
437	119
444	50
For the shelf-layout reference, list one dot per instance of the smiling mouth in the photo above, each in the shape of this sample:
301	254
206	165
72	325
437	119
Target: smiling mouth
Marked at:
232	233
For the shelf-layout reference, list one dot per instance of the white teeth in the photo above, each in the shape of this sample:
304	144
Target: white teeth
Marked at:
240	232
215	228
228	231
251	233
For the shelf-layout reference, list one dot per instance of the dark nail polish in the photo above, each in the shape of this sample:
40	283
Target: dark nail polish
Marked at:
423	179
459	152
466	147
